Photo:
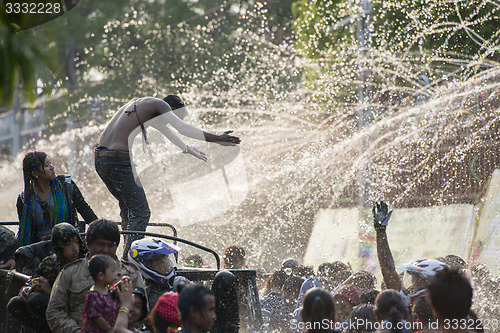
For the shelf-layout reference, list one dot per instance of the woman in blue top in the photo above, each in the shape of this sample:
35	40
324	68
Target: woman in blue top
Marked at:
47	200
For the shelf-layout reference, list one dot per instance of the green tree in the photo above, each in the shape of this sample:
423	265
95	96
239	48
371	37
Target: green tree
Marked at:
23	63
137	48
409	38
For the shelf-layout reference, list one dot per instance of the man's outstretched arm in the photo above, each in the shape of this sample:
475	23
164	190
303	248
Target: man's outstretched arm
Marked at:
381	217
192	131
224	138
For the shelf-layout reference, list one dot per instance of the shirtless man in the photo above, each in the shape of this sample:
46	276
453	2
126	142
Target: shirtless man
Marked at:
112	157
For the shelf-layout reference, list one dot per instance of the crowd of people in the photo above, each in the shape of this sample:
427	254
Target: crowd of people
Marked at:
83	287
79	285
428	295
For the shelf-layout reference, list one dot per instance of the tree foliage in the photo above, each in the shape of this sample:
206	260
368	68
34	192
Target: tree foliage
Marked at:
440	39
211	51
23	63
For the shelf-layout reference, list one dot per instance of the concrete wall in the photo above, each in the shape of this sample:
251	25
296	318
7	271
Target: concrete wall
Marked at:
472	232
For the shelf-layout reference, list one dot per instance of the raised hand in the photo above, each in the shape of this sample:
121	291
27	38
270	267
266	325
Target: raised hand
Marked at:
381	215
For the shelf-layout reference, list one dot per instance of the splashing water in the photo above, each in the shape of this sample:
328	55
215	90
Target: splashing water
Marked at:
300	151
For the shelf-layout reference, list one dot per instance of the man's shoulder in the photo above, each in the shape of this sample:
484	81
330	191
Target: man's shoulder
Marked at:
75	266
150	99
7	237
153	104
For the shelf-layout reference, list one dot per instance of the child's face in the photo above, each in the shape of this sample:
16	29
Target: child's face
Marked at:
71	249
110	273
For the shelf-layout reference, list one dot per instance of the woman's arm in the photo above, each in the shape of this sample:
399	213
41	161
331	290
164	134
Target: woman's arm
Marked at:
81	205
102	324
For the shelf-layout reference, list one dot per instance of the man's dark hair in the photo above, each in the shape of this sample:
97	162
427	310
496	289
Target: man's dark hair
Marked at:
291	288
278	279
174	101
98	264
104	229
329	269
368	297
363	280
192	295
234	256
194	260
139	291
303	271
422	310
450	293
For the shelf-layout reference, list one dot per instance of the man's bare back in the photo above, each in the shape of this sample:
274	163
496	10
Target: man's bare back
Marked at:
123	123
126	123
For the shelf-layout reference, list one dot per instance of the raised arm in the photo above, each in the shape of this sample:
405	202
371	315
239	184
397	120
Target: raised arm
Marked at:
168	117
381	217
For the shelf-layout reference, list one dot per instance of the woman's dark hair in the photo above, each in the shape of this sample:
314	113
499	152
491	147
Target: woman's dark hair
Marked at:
316	307
98	264
104	229
390	306
159	324
34	161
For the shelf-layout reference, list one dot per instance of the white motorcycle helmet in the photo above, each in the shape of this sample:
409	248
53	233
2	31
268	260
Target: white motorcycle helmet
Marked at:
416	274
143	249
425	267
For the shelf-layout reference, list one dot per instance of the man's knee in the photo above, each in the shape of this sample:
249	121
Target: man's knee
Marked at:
38	302
16	306
140	214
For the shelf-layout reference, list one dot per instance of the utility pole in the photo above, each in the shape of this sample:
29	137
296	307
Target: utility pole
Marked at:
18	118
365	112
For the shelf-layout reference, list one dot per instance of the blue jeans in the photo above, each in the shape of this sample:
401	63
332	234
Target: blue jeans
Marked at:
117	175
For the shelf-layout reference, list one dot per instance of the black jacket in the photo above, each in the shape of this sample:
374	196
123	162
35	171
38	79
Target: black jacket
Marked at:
75	201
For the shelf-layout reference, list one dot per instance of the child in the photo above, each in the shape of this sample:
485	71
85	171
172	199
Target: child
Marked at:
101	305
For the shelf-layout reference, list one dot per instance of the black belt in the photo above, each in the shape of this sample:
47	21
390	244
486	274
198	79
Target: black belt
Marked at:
111	153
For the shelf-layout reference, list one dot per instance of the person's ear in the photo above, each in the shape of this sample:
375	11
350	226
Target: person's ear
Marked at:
34	173
100	276
192	312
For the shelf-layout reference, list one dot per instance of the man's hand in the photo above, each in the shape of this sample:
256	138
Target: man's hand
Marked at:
41	285
196	153
228	140
10	264
24	293
381	215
